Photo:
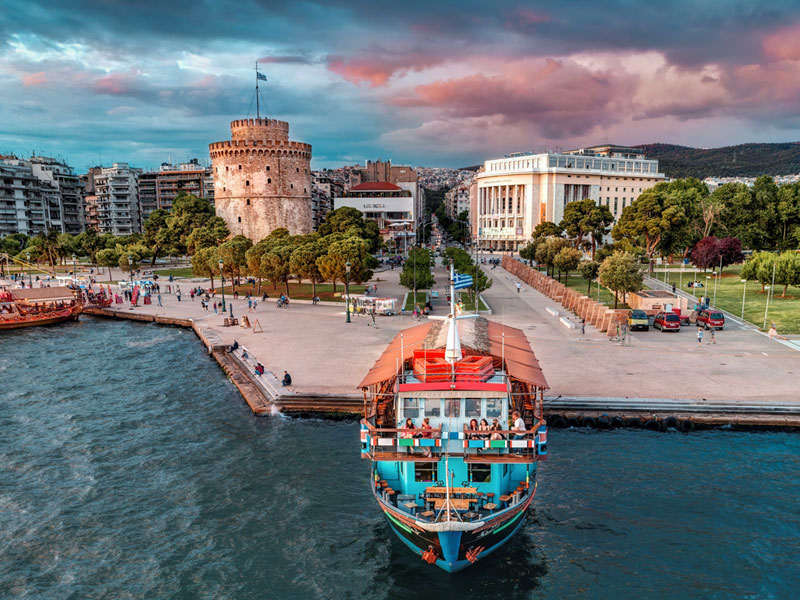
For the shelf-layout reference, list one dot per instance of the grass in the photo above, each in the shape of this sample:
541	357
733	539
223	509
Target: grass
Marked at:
410	300
177	272
784	311
578	283
299	291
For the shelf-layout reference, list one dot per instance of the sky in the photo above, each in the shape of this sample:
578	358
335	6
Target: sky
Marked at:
424	83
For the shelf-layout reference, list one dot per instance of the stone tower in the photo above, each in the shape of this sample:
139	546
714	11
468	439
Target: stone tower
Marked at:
262	180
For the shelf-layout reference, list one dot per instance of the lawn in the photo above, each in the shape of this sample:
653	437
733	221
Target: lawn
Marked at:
185	272
299	291
784	311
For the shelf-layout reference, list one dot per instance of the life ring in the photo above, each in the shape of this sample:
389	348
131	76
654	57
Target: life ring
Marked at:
654	425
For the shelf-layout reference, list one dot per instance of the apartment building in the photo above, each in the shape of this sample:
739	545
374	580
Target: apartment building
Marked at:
117	191
390	206
158	189
517	192
456	201
323	190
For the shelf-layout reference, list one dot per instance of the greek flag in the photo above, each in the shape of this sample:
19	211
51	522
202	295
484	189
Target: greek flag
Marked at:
462	281
261	76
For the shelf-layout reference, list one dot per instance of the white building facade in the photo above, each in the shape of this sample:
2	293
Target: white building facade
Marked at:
516	193
392	207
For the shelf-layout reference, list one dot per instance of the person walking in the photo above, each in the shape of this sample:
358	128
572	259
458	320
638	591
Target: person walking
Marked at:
699	337
159	300
583	326
713	339
215	308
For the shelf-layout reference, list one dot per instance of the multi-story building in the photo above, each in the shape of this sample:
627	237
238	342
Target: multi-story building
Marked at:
389	205
39	194
117	191
90	199
323	190
404	177
262	180
456	201
157	189
517	192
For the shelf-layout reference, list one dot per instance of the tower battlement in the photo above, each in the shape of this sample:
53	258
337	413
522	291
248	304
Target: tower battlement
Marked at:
259	129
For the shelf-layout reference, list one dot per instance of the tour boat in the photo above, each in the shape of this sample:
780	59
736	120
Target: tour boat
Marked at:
31	307
451	493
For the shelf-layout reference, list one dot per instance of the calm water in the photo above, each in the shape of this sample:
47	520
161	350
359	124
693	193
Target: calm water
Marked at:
130	468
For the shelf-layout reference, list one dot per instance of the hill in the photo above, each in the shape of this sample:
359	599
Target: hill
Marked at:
744	160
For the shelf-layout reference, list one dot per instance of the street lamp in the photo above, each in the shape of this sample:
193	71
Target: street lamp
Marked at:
744	291
30	284
347	267
130	270
708	284
222	285
716	281
74	268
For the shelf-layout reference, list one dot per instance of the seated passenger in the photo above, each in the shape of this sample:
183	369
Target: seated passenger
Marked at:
484	426
426	428
473	426
408	429
495	428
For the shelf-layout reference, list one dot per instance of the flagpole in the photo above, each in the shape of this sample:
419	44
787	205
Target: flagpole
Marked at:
258	108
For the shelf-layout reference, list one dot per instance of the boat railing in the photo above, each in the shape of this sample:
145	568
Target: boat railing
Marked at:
378	442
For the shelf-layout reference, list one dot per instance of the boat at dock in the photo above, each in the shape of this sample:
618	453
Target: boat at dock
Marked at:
30	307
451	491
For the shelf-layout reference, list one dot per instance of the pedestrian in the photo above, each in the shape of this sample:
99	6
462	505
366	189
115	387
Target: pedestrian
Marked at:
713	339
159	300
215	308
287	379
699	337
583	326
773	331
255	303
178	294
191	294
518	287
249	305
673	289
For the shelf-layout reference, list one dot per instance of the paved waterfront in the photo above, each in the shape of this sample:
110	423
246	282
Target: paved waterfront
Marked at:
326	355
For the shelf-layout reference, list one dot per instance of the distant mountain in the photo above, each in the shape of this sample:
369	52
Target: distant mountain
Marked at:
744	160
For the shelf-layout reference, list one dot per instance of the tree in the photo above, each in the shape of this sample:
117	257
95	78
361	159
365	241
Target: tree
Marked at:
276	264
303	262
233	255
749	214
546	229
588	269
711	207
49	244
204	263
90	243
655	213
567	260
107	257
350	222
547	250
759	268
213	233
157	234
711	252
353	249
417	274
528	252
620	273
585	217
788	216
787	270
188	213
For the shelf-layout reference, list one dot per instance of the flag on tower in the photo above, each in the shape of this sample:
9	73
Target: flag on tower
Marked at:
261	76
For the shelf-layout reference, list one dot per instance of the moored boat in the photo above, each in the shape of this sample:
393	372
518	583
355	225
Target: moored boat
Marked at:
454	430
41	306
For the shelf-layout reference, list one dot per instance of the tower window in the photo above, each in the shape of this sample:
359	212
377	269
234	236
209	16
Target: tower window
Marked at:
240	167
269	180
226	168
297	169
240	219
224	189
247	182
248	202
305	191
267	167
291	185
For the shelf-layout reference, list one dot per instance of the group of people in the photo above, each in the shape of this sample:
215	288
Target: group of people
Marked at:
477	431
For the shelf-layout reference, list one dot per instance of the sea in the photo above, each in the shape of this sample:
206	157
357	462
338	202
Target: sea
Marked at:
131	468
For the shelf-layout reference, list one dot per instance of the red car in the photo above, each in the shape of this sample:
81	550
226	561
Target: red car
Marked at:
667	322
711	319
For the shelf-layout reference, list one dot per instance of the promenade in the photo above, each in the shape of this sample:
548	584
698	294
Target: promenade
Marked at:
327	356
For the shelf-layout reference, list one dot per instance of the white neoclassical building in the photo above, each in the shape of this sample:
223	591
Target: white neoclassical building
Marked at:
517	192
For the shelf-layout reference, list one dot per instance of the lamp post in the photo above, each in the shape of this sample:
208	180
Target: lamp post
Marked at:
28	255
770	292
716	281
708	284
347	267
222	285
744	291
74	268
130	269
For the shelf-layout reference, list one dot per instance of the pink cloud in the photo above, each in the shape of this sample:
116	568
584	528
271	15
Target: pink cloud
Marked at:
118	84
783	43
376	70
34	79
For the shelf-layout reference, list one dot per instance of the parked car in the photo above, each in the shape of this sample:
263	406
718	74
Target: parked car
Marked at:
638	320
667	322
710	319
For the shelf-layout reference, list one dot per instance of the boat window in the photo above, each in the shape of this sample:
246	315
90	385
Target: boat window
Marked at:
494	408
472	407
425	471
410	408
453	407
433	407
480	473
